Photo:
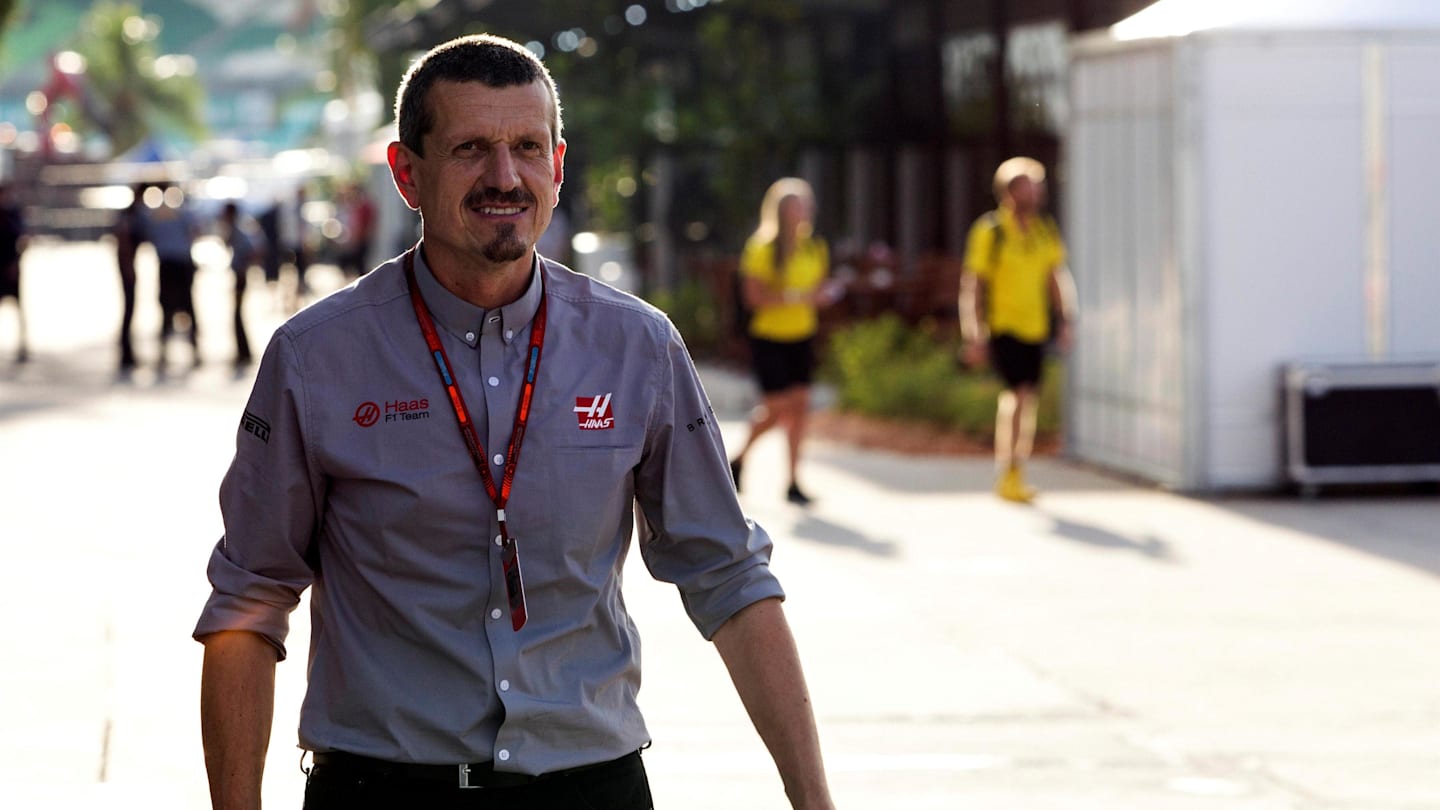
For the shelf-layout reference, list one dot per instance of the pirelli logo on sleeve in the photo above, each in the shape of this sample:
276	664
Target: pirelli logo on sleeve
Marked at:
255	426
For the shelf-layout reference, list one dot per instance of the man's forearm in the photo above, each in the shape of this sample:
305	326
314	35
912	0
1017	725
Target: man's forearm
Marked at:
1062	293
972	299
759	650
237	704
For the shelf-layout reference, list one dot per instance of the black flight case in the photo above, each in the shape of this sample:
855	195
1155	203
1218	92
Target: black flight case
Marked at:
1361	423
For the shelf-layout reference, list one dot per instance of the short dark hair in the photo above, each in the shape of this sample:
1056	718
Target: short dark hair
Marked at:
485	58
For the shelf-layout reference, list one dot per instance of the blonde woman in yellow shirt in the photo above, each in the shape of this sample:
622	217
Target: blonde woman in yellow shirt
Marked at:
783	271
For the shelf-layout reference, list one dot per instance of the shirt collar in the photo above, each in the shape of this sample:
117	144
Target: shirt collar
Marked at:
1012	222
468	322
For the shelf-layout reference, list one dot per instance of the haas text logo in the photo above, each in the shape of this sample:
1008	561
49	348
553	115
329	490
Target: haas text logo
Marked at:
593	413
368	414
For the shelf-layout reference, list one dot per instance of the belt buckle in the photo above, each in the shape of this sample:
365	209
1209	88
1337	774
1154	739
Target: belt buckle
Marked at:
464	782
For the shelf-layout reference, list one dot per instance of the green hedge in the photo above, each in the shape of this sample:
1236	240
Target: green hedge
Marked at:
883	367
694	313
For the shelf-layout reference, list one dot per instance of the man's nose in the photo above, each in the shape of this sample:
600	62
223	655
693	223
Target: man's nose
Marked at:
500	170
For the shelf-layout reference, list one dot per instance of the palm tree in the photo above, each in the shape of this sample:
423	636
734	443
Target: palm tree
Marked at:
131	93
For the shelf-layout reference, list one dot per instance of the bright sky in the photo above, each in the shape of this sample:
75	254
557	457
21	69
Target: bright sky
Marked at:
1173	18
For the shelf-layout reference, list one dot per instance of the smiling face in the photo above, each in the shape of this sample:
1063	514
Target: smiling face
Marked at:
488	180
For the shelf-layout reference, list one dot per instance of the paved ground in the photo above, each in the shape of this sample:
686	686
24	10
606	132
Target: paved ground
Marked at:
1112	647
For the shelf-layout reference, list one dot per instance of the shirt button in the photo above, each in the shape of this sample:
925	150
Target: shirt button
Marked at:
504	686
509	333
494	381
499	541
470	336
495	614
503	755
499	459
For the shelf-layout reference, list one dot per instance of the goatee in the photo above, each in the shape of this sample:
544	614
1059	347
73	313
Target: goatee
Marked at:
505	247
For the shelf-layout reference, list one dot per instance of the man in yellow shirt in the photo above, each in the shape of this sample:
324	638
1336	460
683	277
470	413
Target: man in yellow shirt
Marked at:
1014	283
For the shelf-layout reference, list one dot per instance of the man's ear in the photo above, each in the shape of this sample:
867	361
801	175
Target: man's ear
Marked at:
559	160
402	170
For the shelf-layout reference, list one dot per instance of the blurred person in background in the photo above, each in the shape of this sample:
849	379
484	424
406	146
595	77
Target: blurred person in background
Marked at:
1015	289
783	273
13	237
247	248
357	214
435	666
293	233
171	229
129	232
269	221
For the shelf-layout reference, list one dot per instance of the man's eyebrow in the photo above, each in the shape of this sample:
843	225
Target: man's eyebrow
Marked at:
516	132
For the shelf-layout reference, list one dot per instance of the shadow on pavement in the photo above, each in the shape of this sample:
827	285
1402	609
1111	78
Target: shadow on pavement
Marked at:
1149	546
827	533
12	409
1401	528
959	475
53	380
74	379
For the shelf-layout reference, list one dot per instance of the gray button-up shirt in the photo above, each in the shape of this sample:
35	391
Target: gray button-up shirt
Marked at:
350	475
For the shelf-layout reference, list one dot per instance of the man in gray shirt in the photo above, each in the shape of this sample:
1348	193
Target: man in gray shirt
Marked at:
470	646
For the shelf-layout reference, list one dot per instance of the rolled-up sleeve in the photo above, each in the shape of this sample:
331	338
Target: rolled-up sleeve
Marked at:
270	502
691	528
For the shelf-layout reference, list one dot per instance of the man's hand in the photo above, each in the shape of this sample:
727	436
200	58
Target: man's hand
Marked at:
976	354
1064	337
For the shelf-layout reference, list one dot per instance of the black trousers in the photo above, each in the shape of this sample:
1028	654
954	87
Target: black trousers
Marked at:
617	785
242	342
177	281
127	314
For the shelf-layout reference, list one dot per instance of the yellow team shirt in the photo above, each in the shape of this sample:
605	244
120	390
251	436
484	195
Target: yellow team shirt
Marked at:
803	273
1017	276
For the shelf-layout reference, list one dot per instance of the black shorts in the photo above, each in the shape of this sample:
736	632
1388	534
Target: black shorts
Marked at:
10	280
1018	362
780	366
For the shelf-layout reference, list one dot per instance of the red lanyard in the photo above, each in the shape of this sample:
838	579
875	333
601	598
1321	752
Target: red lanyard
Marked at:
514	585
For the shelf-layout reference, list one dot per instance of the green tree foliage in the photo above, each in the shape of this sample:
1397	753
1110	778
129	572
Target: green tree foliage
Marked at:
731	92
128	101
7	15
355	63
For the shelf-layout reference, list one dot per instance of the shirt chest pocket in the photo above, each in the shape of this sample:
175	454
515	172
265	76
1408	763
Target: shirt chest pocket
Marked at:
583	504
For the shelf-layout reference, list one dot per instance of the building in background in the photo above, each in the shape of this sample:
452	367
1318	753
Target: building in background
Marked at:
1253	187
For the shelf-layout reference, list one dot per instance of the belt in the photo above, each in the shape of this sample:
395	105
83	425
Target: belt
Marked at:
465	775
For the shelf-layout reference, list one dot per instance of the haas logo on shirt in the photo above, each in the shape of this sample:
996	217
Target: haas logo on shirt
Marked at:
593	413
368	414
